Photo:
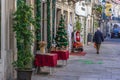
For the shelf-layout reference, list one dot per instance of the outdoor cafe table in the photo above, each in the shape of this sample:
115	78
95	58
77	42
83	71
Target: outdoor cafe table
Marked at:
47	59
62	54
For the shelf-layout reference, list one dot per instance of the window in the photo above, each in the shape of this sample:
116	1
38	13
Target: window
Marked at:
58	15
88	1
71	18
66	17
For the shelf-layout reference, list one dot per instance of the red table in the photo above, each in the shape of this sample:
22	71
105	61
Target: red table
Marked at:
49	60
62	55
42	60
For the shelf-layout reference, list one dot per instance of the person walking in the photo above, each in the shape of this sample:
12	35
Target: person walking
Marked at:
97	39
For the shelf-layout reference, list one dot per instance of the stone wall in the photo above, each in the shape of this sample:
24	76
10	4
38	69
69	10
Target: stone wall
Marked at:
7	40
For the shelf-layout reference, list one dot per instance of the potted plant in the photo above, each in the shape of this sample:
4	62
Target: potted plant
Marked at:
23	21
78	26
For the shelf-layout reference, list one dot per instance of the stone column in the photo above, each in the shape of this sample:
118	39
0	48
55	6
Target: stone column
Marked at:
7	39
12	40
3	39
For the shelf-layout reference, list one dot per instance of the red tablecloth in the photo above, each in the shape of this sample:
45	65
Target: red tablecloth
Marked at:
62	55
45	60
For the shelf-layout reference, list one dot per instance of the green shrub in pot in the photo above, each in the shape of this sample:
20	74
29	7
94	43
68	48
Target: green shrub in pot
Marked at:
24	22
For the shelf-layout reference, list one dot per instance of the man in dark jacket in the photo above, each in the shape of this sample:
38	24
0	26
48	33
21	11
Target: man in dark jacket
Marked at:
97	39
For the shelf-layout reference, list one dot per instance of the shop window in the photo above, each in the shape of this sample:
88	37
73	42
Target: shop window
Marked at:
58	15
71	18
66	18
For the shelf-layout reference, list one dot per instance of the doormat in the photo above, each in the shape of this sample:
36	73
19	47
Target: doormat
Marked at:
90	62
78	53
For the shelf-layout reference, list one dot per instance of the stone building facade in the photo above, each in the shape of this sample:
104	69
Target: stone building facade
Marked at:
8	46
8	41
83	10
67	8
57	7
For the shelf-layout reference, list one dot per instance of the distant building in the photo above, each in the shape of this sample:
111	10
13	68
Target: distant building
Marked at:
83	10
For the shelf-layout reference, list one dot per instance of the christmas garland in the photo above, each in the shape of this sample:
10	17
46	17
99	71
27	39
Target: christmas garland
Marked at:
38	20
48	25
19	2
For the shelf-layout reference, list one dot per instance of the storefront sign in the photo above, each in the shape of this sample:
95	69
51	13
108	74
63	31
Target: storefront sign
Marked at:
108	10
80	8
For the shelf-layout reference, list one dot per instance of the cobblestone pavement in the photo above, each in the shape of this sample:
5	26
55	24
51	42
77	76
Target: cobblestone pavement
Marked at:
92	66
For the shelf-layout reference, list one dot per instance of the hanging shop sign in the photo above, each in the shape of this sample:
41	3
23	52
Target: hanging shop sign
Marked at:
108	9
80	8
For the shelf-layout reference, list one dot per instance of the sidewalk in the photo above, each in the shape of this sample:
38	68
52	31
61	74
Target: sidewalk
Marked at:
92	66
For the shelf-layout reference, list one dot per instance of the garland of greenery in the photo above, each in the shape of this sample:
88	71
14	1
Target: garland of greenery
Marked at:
48	25
23	19
19	2
38	20
19	45
53	17
78	25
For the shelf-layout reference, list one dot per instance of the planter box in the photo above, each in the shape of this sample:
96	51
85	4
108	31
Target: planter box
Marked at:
24	74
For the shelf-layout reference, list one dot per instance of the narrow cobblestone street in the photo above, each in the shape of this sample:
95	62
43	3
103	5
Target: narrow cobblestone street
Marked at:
92	66
41	33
